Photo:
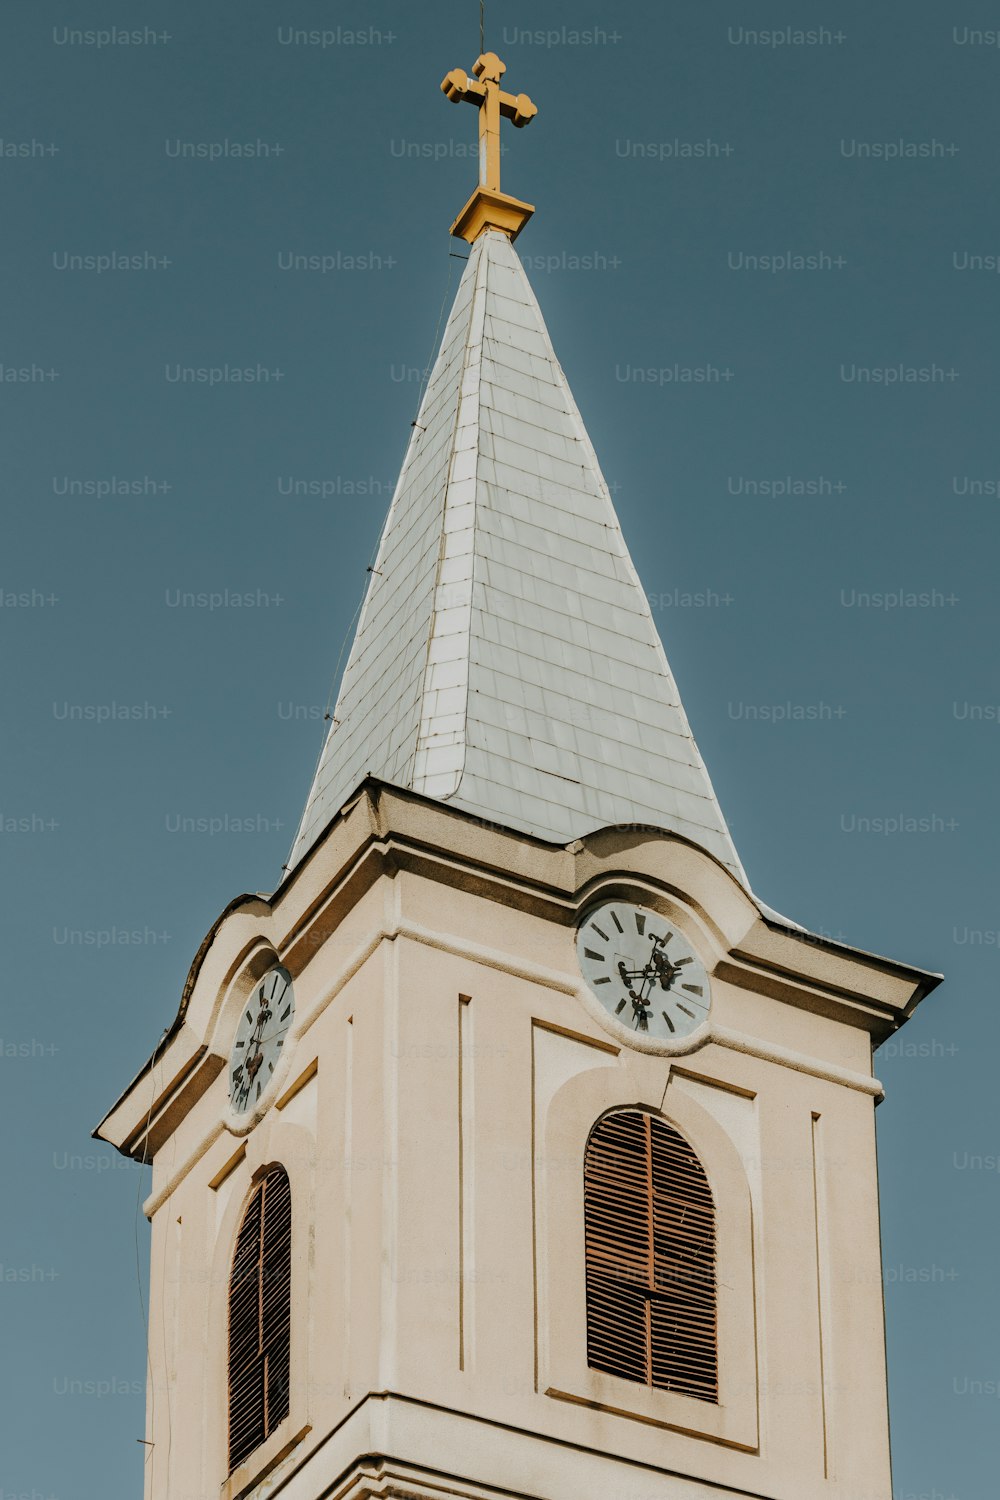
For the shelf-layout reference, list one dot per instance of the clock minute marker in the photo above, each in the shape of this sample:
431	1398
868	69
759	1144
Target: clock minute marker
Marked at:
668	1020
692	989
614	918
597	957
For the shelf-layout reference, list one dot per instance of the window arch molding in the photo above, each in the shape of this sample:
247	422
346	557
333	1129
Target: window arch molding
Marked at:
236	968
291	1147
574	1109
255	959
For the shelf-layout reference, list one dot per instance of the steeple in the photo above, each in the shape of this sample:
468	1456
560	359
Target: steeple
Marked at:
471	1143
506	660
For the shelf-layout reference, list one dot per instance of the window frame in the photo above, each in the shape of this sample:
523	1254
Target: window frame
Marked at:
564	1373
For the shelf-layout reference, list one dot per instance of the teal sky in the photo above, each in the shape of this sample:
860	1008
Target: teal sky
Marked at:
770	272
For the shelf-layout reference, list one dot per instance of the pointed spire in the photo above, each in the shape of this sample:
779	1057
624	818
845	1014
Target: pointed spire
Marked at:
506	661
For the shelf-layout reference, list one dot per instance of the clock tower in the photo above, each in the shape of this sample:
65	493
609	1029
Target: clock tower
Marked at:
513	1147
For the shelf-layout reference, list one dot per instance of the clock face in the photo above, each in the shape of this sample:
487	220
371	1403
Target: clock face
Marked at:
643	971
260	1037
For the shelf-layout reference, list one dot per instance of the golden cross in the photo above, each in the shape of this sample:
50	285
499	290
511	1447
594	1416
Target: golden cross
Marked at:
489	208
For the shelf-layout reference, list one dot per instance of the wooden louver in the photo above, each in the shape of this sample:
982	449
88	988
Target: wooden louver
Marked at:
650	1246
259	1317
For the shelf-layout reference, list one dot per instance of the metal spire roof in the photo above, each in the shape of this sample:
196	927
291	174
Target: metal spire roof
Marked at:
506	661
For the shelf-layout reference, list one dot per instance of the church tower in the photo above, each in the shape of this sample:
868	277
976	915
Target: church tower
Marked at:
513	1148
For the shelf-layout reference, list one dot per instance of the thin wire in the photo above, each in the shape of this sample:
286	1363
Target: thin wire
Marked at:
434	341
167	1258
370	570
138	1270
482	27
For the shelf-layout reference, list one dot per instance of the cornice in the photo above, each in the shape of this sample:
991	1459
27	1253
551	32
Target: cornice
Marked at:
384	831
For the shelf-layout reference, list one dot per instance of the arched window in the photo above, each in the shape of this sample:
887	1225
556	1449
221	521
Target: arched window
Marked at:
259	1317
650	1245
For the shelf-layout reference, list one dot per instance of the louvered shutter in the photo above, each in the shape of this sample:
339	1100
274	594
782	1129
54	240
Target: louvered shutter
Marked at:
260	1317
650	1248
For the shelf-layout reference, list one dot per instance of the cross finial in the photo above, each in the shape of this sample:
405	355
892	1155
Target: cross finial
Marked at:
489	208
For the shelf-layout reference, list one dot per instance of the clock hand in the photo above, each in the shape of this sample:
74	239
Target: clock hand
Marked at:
253	1057
654	970
263	1016
638	1000
627	976
639	1016
665	971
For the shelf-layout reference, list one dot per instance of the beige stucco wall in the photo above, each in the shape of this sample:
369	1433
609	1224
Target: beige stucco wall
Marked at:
441	1080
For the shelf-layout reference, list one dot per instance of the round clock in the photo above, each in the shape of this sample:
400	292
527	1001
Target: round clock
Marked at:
260	1037
643	971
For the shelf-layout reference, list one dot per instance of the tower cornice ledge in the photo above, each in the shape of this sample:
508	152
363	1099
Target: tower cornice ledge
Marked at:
386	1423
387	833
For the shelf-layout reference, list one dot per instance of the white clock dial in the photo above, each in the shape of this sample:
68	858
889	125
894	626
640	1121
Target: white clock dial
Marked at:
643	971
260	1038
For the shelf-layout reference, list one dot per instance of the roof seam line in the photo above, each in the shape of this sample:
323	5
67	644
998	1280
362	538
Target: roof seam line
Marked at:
465	363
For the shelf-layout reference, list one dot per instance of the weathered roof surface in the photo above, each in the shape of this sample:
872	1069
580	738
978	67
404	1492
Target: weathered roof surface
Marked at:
506	660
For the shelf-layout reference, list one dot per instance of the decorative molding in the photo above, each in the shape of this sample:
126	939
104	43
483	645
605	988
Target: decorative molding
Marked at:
561	983
385	831
298	1085
230	1167
564	1128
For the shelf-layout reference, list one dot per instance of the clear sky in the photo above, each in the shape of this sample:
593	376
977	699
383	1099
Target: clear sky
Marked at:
812	226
